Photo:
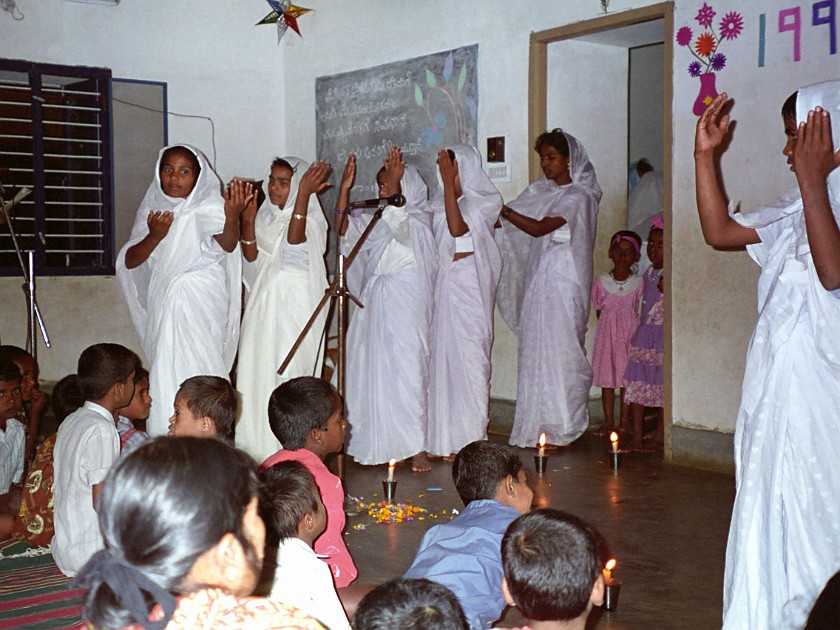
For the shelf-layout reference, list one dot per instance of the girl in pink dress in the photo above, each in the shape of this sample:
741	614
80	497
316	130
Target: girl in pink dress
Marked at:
616	297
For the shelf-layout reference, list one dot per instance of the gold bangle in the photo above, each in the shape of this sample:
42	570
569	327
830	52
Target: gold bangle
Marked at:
302	217
244	242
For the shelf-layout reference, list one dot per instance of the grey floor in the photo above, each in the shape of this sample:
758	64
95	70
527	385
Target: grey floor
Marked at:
666	526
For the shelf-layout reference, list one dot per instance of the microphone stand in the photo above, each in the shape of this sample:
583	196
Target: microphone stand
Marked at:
337	292
34	313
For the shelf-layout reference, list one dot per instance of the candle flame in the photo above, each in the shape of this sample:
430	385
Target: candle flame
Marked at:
610	564
613	437
392	463
542	440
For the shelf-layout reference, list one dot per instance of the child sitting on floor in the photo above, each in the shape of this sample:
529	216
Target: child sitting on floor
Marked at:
306	415
205	406
291	505
136	411
410	605
86	446
34	400
552	563
464	554
12	441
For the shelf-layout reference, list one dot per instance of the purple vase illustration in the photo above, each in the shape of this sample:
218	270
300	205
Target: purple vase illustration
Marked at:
707	94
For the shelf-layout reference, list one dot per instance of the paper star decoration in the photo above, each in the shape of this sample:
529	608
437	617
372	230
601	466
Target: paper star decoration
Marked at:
284	14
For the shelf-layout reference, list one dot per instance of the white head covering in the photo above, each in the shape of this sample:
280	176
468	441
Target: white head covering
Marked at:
541	199
198	217
272	225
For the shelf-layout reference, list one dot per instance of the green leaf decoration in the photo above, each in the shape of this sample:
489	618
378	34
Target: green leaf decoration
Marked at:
418	95
430	78
462	78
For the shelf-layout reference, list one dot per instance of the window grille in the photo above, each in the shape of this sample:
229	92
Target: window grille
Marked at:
55	138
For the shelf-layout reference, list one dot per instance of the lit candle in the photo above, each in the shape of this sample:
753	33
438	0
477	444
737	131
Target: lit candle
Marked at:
608	568
614	441
542	445
391	465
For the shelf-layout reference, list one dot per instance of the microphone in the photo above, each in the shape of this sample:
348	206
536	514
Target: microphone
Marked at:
394	200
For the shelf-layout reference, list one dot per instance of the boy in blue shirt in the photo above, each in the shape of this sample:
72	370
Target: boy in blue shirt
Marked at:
465	554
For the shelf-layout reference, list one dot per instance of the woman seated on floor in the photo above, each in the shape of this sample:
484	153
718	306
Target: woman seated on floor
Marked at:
183	542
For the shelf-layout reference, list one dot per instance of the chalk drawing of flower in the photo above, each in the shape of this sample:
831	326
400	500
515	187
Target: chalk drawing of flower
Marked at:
684	36
705	15
694	68
705	44
445	95
731	25
718	62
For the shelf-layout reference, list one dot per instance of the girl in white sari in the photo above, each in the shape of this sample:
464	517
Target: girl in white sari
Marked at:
464	211
285	277
182	287
388	340
784	539
547	242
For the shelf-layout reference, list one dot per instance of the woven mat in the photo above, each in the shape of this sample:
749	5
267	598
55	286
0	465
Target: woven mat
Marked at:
34	593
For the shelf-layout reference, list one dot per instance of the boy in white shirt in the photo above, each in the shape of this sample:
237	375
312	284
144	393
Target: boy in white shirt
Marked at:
12	439
85	448
291	504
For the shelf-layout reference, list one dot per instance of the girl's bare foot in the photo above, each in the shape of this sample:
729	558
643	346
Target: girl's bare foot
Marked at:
604	430
449	458
421	463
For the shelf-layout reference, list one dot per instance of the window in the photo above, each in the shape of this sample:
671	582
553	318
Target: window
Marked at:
55	134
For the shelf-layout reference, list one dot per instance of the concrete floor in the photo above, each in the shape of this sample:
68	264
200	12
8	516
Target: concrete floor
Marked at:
666	526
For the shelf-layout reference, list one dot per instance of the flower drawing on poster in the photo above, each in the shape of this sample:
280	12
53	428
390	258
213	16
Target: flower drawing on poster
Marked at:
705	48
446	104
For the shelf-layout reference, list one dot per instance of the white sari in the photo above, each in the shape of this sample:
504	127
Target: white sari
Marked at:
283	287
185	298
544	298
784	539
388	340
462	325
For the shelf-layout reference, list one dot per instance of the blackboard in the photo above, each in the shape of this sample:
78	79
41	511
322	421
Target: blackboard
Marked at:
420	104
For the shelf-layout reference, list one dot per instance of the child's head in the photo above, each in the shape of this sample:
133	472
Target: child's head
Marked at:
552	564
27	366
141	402
106	370
280	182
10	396
179	514
205	406
66	397
290	502
417	604
484	470
625	249
179	171
656	242
307	412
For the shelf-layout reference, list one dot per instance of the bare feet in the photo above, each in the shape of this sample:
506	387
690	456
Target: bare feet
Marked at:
449	458
604	430
421	463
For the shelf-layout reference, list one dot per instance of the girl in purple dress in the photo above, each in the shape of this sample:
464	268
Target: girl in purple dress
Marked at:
643	378
616	296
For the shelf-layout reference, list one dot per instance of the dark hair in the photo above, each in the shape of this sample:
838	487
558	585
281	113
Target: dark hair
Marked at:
178	149
279	162
160	508
789	108
409	604
551	561
288	493
66	397
9	371
298	406
102	366
554	138
480	467
212	397
628	234
13	353
140	373
643	167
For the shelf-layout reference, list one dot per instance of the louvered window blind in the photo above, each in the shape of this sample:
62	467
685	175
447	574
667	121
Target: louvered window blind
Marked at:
55	138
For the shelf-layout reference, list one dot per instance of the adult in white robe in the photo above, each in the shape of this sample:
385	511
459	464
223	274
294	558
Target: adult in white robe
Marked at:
283	286
465	297
387	382
784	538
544	298
185	298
